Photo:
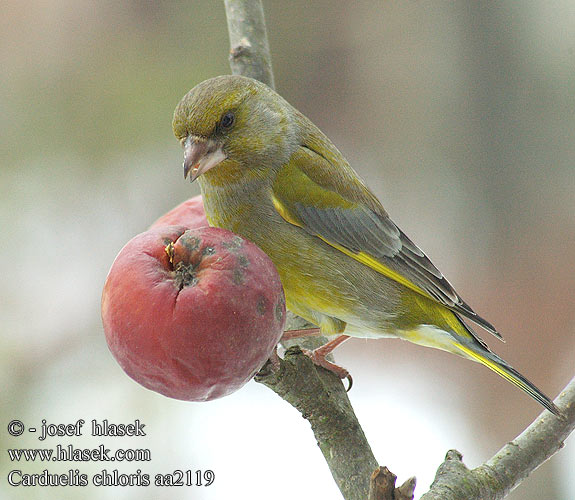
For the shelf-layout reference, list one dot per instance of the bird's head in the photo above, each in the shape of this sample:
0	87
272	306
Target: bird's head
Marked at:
233	120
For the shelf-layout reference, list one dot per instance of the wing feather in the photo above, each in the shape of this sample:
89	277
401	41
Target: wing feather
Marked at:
308	192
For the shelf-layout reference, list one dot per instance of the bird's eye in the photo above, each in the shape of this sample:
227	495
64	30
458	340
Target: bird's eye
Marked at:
227	120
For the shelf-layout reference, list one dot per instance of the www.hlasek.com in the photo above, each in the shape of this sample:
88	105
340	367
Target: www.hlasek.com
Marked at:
71	454
105	477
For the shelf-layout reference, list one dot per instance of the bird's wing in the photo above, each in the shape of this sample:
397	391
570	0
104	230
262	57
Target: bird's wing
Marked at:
333	204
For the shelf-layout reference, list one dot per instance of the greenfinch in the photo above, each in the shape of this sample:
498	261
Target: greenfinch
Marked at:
267	173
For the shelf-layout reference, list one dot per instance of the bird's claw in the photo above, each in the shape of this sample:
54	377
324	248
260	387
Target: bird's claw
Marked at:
350	382
318	358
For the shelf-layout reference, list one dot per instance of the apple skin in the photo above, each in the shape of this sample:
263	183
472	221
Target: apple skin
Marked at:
189	213
192	314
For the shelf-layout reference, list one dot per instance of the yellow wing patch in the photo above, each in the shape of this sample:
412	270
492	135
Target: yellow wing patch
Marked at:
362	257
284	212
369	261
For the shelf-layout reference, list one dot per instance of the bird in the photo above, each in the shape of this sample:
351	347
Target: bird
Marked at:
268	174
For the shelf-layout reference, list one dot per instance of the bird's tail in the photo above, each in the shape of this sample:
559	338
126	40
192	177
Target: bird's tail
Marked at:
480	354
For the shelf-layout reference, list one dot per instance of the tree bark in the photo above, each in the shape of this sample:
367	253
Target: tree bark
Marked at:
249	47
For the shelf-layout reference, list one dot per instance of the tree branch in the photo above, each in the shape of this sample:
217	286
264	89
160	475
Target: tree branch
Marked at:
321	399
249	48
494	479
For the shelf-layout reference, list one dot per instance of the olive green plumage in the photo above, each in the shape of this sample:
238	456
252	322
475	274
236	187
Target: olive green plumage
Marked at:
269	174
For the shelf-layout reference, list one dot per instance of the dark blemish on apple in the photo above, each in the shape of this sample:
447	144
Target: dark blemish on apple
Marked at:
191	244
243	261
279	310
234	244
185	275
239	277
261	306
209	251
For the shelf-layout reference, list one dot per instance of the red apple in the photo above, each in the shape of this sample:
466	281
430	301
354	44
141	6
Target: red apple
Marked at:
189	213
192	314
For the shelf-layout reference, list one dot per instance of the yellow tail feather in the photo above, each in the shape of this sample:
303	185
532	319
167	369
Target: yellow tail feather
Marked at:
510	374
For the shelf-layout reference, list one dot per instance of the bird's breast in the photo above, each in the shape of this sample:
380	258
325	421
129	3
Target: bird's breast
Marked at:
318	279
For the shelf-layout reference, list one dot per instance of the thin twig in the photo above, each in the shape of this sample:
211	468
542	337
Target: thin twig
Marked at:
512	464
249	47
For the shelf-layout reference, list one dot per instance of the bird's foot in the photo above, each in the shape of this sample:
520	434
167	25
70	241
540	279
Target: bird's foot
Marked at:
318	357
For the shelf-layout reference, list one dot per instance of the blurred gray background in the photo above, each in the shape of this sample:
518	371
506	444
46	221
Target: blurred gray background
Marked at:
460	117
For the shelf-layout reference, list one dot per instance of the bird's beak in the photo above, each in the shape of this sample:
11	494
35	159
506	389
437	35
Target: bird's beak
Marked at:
200	155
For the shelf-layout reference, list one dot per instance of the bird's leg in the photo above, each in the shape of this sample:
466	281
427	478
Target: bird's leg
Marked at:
318	357
305	332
